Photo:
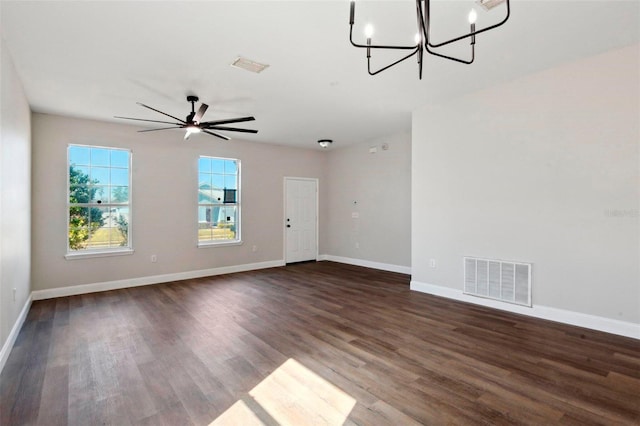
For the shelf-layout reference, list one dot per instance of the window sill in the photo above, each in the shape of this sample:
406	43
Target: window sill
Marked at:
91	254
219	244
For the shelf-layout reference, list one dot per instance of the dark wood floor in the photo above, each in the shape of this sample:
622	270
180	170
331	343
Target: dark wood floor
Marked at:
318	343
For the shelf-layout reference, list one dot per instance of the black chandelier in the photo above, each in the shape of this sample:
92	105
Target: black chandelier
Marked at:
423	36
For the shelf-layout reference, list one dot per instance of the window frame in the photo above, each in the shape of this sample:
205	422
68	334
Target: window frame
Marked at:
101	252
238	205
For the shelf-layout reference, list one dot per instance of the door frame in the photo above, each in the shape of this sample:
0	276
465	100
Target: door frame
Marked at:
284	214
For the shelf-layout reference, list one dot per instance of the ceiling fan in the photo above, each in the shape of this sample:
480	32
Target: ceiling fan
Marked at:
193	124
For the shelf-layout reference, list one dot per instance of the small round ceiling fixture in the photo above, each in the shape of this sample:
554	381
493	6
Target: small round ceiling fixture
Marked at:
325	142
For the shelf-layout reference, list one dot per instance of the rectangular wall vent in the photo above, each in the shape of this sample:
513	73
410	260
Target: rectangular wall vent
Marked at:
497	279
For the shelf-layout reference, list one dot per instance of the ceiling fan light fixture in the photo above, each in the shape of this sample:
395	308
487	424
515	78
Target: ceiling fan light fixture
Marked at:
249	65
324	143
191	129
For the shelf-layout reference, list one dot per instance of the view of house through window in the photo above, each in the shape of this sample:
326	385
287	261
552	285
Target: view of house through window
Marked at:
218	200
99	206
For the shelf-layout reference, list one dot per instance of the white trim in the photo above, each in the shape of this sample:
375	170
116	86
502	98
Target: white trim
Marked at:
367	263
89	254
154	279
222	243
11	339
608	325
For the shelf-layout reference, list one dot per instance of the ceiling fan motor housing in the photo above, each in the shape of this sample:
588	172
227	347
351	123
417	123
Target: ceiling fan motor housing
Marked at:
193	99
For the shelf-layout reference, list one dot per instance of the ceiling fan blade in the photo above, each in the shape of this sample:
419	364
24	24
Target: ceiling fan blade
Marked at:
206	124
142	119
232	129
226	138
200	113
162	128
163	113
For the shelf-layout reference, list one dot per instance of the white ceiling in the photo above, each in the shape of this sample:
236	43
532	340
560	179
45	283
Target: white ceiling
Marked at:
97	59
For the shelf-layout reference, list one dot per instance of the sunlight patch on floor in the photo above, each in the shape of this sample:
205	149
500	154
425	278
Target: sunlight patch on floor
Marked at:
291	395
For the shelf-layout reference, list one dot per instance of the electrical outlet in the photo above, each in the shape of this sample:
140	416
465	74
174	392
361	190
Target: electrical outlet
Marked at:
432	263
357	245
254	249
154	258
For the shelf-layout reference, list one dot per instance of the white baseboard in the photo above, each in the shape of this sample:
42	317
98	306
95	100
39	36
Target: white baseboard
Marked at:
8	344
367	263
593	322
154	279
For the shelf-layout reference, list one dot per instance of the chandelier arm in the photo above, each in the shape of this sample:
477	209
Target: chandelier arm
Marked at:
376	46
424	28
470	61
420	56
471	34
390	65
369	46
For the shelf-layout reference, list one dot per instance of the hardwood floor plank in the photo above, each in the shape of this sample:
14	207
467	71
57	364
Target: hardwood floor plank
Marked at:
200	409
26	405
173	415
380	414
55	398
321	343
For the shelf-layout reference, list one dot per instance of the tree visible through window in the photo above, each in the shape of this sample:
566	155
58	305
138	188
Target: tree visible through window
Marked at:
99	183
218	200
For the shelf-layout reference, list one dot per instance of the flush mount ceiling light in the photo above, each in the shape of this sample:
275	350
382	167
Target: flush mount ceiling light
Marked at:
325	142
423	36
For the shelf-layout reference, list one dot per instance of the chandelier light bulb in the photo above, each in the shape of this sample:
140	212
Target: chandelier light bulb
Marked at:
368	31
473	16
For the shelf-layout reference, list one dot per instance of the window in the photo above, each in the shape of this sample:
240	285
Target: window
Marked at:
99	204
218	201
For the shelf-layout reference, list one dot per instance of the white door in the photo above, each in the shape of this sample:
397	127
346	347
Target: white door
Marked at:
301	219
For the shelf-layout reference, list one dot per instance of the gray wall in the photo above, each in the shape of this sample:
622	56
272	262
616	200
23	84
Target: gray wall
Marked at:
164	196
377	187
15	195
164	199
544	169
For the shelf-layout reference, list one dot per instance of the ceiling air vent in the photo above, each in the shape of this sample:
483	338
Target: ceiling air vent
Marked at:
489	4
249	65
